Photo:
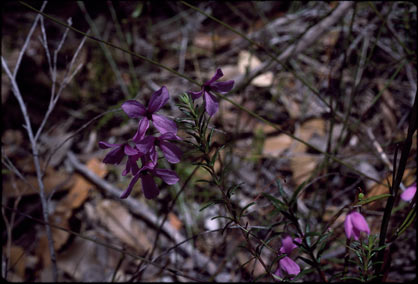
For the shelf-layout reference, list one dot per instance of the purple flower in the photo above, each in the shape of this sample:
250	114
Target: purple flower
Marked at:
116	155
287	266
409	192
288	245
171	152
135	109
211	103
147	174
133	157
354	224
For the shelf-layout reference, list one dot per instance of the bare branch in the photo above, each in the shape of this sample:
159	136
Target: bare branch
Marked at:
27	40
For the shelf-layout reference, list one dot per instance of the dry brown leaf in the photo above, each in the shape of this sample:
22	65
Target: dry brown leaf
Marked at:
275	146
53	180
174	221
378	189
302	166
79	192
42	251
306	130
74	199
17	259
84	260
248	61
122	225
255	271
210	41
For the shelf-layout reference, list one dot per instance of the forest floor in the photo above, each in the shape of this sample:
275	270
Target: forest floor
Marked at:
340	76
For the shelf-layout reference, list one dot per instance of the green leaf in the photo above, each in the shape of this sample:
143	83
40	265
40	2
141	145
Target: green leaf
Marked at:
210	136
231	190
213	202
276	203
296	193
138	10
373	198
308	261
219	217
280	186
204	181
213	160
352	278
245	208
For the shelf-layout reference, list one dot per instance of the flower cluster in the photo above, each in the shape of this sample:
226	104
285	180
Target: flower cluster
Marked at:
287	267
144	146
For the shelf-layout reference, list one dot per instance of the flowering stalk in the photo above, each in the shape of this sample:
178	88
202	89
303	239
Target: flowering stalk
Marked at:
196	125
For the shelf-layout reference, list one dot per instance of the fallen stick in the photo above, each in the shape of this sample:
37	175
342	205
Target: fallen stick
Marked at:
142	210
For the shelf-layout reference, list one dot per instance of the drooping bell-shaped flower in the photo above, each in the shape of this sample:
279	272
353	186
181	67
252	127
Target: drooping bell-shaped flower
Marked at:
409	192
354	224
288	267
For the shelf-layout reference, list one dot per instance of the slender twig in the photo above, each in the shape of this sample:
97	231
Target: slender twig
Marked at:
27	40
53	70
76	133
35	154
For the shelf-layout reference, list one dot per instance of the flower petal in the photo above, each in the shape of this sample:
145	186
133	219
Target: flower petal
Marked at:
287	245
145	144
158	99
115	156
142	129
409	193
129	151
131	165
149	187
164	124
211	104
168	176
195	95
359	222
215	77
171	152
105	145
126	193
169	136
288	266
348	226
222	87
133	108
149	161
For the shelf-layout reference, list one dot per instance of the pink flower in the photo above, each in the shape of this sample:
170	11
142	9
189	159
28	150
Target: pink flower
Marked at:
354	224
409	192
287	266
